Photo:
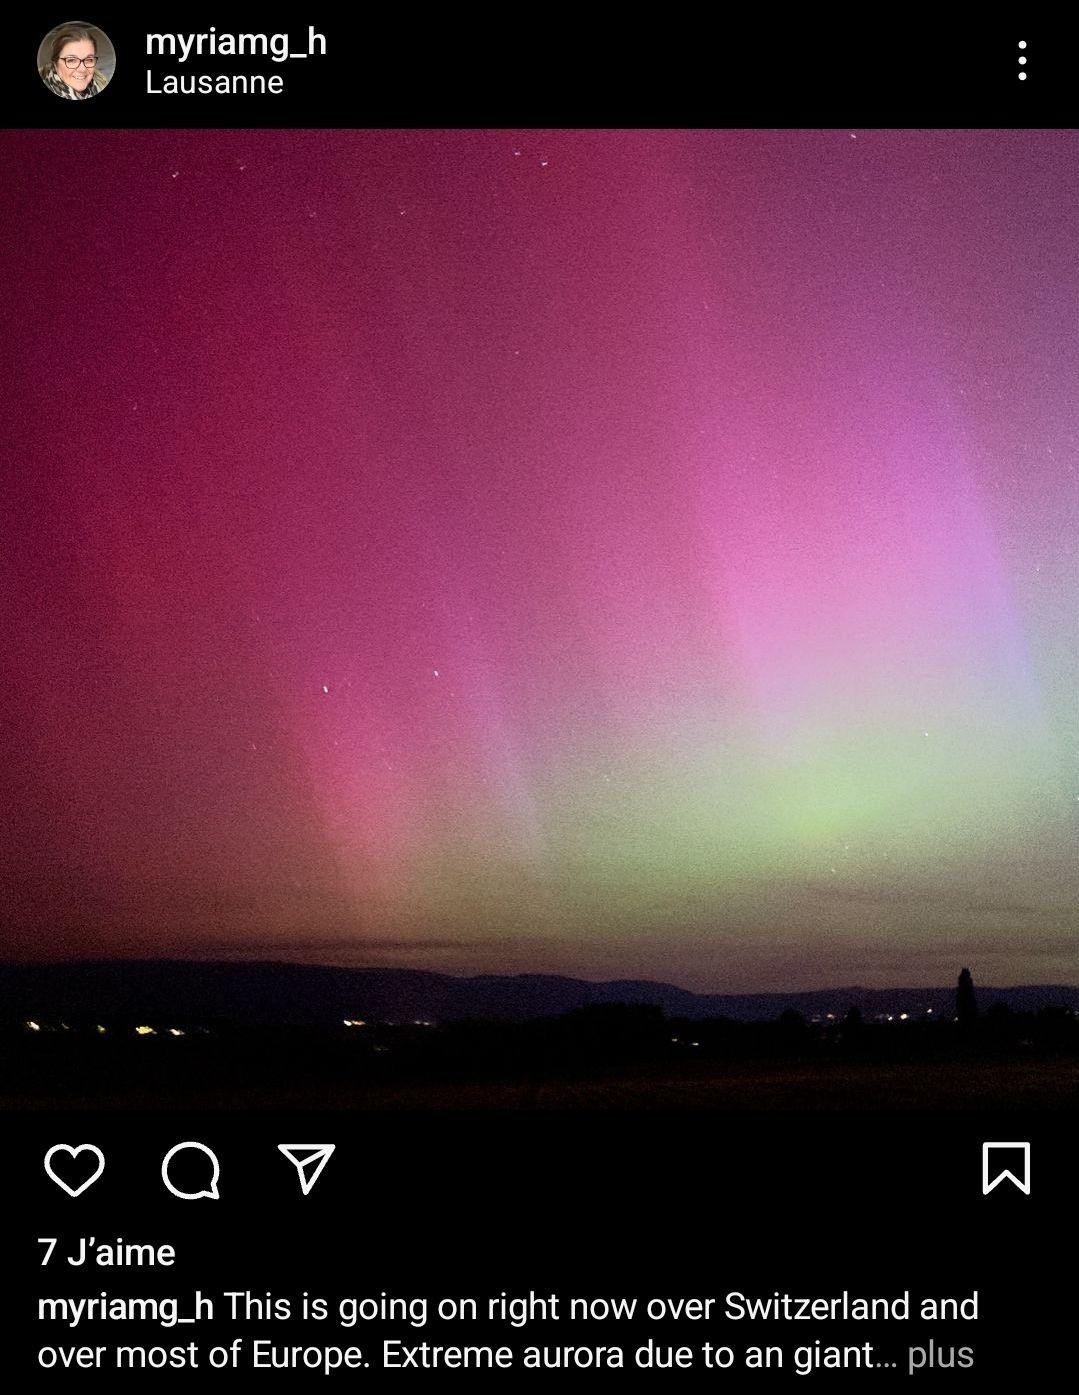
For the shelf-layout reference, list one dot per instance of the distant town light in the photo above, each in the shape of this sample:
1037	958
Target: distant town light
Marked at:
354	1022
904	1016
176	1032
33	1026
145	1032
100	1030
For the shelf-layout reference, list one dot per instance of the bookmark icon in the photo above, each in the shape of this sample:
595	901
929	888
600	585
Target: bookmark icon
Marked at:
1022	1183
308	1159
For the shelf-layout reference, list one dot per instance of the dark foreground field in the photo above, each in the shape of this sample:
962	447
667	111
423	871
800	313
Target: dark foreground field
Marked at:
835	1085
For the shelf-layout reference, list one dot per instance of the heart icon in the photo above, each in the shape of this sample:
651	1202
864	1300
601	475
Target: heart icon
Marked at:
74	1152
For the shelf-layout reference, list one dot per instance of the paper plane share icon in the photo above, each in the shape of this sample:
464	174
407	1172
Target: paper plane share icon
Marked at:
308	1159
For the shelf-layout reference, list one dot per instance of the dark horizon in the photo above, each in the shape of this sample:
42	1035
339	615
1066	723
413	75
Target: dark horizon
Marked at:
359	964
217	1035
174	976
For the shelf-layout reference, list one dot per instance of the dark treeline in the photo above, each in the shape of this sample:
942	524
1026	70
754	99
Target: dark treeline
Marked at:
589	1042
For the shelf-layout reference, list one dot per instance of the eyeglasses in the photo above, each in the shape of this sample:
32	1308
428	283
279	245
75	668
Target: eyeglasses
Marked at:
72	63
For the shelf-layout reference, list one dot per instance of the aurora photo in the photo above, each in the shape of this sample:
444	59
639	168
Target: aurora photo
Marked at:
616	554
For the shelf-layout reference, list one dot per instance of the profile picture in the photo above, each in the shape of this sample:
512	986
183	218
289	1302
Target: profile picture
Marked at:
76	60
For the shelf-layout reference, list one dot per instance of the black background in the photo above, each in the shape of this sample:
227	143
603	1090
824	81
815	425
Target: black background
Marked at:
646	1204
649	1203
555	69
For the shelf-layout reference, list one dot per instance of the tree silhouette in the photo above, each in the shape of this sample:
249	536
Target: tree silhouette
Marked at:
966	1005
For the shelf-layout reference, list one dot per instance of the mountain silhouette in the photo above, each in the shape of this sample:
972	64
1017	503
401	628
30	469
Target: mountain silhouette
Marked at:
300	994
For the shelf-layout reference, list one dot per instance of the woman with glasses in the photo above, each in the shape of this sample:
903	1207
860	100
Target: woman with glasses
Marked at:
72	69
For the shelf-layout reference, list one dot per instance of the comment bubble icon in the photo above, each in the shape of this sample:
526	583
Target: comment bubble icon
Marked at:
209	1193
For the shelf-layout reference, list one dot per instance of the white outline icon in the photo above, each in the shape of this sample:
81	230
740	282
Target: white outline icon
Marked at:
213	1194
317	1153
75	1150
1024	1185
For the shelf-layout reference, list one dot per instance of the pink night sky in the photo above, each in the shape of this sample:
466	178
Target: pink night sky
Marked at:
617	553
